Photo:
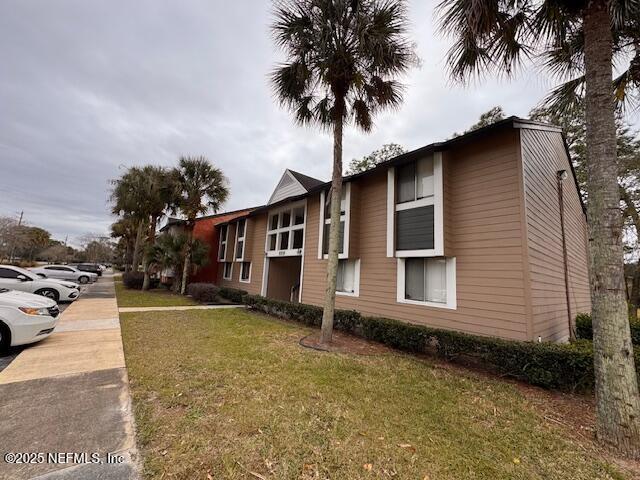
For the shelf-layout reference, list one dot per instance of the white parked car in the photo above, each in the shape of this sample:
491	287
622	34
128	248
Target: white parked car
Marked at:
25	318
16	278
65	272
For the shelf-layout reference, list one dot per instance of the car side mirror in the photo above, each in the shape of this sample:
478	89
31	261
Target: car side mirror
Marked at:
23	278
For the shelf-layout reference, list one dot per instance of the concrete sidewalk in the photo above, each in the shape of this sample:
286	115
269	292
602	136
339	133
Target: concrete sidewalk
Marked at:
70	394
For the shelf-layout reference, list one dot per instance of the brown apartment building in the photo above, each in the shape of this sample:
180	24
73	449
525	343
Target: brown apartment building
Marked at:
484	233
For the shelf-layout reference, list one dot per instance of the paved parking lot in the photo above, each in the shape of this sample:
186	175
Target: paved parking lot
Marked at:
69	393
7	357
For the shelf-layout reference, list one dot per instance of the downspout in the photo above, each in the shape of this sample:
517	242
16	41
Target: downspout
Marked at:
560	176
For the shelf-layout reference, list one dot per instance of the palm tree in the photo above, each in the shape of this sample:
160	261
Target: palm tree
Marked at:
498	35
157	196
126	198
200	187
125	229
342	58
169	253
143	193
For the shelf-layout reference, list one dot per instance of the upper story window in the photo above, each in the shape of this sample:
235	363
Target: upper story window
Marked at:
241	231
415	181
285	231
222	248
415	211
325	222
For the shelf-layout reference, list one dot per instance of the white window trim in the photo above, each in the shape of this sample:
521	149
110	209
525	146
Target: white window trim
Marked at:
288	252
452	301
243	239
230	271
248	280
347	222
356	282
436	200
221	258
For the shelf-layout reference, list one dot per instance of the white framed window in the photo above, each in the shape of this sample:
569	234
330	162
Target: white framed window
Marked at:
325	222
222	247
227	273
241	233
285	230
415	210
348	278
428	281
245	272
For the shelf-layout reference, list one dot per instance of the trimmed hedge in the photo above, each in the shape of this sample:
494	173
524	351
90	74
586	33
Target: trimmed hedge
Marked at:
134	280
549	365
234	295
584	328
204	292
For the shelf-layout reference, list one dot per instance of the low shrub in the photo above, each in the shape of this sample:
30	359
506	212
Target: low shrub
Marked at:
133	280
549	365
204	292
584	328
232	294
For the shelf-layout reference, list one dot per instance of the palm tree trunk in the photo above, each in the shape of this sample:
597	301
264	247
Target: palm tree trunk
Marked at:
617	401
136	248
146	260
334	236
187	260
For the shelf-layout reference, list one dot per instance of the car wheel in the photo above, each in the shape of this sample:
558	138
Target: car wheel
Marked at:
5	337
49	293
83	280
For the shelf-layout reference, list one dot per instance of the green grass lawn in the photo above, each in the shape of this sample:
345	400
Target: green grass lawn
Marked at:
159	297
231	394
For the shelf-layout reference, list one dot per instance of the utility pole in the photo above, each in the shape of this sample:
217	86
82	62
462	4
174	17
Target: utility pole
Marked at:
13	238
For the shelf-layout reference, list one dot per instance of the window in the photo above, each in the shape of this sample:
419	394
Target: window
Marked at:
240	236
228	270
348	277
325	223
415	209
427	281
8	273
285	235
222	249
245	272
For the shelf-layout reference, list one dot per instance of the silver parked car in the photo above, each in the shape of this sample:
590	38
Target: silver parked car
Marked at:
65	272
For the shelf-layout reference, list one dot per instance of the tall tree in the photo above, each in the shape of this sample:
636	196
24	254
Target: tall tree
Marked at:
201	187
342	58
384	153
144	193
497	35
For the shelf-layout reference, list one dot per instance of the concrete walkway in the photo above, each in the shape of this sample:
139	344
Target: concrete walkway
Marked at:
69	394
180	307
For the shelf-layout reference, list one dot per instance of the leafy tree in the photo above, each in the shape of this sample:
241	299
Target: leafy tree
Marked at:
200	187
496	36
342	58
386	152
487	118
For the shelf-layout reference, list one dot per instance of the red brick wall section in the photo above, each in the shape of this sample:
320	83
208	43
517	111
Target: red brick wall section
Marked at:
205	230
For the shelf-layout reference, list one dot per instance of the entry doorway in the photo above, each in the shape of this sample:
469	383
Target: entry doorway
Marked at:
283	278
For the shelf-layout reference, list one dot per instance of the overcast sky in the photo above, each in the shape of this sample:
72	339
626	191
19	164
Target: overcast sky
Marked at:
88	88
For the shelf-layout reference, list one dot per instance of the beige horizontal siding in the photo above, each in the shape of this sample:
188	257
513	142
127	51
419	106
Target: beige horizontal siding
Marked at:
483	228
256	231
543	154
